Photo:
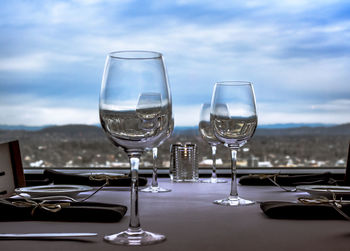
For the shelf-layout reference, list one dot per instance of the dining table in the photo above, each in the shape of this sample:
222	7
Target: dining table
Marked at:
191	221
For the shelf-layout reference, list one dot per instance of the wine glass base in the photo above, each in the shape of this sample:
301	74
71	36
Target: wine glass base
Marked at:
138	238
211	180
156	189
234	201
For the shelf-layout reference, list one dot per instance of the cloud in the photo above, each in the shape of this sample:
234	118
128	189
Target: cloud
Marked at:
295	117
186	115
295	52
36	112
331	112
339	105
33	62
37	61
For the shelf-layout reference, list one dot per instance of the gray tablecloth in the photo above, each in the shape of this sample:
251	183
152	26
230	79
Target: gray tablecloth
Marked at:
191	221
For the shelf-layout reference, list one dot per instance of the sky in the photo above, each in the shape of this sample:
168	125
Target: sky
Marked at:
295	52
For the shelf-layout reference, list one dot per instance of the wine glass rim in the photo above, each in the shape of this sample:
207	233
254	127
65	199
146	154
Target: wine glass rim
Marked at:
234	83
135	54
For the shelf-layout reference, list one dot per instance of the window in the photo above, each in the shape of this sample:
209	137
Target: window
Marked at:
295	53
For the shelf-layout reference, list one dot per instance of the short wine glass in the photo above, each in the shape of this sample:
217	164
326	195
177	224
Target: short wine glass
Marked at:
207	133
234	119
135	113
154	187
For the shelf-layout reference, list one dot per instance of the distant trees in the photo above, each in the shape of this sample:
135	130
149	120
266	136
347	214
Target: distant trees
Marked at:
87	146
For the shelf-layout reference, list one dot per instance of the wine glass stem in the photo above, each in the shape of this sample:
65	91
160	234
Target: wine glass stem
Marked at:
213	153
134	224
234	191
154	174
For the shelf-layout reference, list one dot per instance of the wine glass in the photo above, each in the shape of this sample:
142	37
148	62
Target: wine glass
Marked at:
135	113
154	187
208	135
233	118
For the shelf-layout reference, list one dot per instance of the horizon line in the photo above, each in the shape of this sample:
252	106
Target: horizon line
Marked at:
275	125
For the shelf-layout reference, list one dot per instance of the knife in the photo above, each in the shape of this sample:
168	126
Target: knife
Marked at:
45	235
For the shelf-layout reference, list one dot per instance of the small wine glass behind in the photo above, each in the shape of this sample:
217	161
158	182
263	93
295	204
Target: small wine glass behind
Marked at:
234	120
154	187
207	133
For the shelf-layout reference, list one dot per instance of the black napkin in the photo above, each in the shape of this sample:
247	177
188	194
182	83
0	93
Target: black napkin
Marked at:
288	180
293	210
60	178
75	211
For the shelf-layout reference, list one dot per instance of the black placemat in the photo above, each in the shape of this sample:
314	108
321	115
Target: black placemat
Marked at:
73	211
288	180
294	210
60	178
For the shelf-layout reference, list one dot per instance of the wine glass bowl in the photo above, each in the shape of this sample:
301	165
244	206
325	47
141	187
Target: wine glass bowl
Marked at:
233	118
134	96
135	113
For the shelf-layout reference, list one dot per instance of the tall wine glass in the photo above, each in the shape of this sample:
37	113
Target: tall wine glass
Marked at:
234	120
208	135
154	187
135	113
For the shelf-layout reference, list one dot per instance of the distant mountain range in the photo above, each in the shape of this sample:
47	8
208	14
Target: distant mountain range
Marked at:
294	125
180	128
273	129
343	129
23	127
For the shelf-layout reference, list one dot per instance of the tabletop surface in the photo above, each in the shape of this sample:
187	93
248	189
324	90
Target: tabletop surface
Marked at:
191	221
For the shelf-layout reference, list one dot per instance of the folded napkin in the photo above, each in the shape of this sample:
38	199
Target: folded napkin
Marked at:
60	178
34	180
24	210
287	180
294	210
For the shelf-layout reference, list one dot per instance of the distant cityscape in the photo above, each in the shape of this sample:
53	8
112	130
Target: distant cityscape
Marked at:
87	146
